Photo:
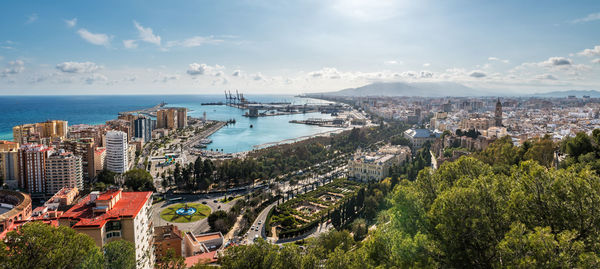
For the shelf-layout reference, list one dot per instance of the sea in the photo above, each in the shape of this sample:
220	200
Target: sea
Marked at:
86	109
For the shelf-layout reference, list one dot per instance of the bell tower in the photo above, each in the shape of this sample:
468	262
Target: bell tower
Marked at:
498	114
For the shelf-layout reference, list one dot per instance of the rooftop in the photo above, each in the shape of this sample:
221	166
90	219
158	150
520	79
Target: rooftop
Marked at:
128	206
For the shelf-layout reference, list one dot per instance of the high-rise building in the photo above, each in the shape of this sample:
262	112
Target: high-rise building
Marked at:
42	132
116	151
115	215
171	118
181	117
63	169
32	167
9	163
121	125
83	147
99	159
498	114
143	128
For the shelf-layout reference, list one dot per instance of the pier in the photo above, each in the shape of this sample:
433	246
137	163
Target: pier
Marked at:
146	111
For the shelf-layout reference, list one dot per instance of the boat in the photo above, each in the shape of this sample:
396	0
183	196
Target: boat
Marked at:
251	126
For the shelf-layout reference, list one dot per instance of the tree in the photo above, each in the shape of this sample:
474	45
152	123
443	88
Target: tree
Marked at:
38	245
139	180
359	229
170	261
107	177
120	254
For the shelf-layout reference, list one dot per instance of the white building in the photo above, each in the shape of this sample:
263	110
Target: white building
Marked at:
63	169
418	137
116	159
375	166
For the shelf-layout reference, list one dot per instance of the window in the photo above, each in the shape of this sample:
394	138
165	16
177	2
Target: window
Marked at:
112	226
113	234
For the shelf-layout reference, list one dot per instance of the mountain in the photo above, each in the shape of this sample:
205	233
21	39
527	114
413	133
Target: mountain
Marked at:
428	89
578	93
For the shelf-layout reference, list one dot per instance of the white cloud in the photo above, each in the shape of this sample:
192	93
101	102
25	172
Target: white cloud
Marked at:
546	76
237	73
590	52
392	62
32	18
195	41
588	18
557	61
201	69
146	34
326	72
426	74
71	23
95	78
130	44
492	59
14	67
78	67
596	61
477	74
426	64
96	39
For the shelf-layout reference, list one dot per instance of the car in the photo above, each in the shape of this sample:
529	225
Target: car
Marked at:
203	202
256	229
259	222
215	201
218	207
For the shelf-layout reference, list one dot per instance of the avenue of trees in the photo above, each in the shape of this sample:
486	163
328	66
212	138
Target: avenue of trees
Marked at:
272	162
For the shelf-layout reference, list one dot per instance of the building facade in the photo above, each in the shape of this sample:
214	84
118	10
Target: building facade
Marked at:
115	215
116	159
171	118
375	166
83	147
32	167
63	170
9	163
42	132
418	137
498	114
14	206
143	128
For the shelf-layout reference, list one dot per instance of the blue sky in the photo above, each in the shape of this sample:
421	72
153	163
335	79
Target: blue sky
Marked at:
116	47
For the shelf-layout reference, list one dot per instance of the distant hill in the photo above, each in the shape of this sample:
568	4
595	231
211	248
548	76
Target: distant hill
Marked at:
427	89
578	93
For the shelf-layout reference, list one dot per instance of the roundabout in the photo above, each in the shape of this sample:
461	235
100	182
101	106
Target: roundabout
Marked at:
185	212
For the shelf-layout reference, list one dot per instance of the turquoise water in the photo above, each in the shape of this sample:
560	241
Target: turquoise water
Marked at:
99	109
240	137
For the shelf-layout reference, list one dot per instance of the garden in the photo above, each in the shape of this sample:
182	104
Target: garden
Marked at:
185	212
305	211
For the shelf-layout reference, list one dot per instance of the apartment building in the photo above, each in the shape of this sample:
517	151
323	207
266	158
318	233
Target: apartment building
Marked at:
63	169
9	163
116	159
115	215
32	167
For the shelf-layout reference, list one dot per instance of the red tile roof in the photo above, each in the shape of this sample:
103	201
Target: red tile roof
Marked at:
204	258
128	206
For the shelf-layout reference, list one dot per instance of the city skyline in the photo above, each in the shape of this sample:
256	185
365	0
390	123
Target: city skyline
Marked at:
199	47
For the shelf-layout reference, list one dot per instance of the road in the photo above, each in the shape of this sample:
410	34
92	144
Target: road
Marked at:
259	222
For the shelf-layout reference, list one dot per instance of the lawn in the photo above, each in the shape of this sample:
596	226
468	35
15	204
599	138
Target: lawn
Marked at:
168	214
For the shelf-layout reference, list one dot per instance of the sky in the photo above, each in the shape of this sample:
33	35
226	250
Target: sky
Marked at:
295	47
